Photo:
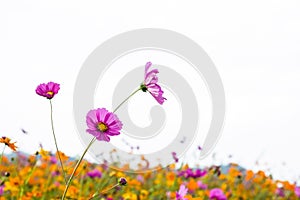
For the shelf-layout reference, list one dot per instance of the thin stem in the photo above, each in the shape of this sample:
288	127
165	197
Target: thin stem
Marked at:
57	151
81	185
104	191
2	155
126	99
77	165
27	180
90	144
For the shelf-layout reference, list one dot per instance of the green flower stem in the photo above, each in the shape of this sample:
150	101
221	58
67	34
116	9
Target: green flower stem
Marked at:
104	191
126	99
27	180
57	151
2	155
90	144
47	187
76	167
81	185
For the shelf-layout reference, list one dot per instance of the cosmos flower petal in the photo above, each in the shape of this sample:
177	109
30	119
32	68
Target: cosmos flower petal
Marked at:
103	137
112	132
147	66
156	91
91	119
95	133
101	113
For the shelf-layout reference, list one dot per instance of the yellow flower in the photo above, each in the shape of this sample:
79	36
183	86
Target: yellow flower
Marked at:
13	185
129	196
172	166
44	154
144	195
170	178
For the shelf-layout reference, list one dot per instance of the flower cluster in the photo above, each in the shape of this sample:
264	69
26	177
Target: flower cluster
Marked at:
47	175
167	183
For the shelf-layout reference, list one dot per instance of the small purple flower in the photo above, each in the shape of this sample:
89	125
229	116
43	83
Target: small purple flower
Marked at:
280	192
102	124
190	173
150	84
297	191
47	90
217	194
94	174
199	173
201	185
181	193
53	160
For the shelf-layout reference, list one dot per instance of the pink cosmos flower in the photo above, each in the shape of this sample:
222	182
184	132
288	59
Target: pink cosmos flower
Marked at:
150	84
202	185
102	124
181	193
297	191
217	194
47	90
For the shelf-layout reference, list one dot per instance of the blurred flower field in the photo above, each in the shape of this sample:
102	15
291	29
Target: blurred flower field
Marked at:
38	176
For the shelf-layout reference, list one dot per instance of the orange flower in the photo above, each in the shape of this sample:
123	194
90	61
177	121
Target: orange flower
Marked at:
170	178
192	185
6	141
249	175
63	156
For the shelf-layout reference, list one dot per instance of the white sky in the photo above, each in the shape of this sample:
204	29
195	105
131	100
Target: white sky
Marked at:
255	46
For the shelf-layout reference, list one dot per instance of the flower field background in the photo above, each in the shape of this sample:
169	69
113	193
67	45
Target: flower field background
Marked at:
39	176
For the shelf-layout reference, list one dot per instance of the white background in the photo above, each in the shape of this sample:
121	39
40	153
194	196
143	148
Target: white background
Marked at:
255	46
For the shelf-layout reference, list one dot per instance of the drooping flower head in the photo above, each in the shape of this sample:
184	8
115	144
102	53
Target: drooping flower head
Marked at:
150	84
102	124
181	193
47	90
6	141
217	194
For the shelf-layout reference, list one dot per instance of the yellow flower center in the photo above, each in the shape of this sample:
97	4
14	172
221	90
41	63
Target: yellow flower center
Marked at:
50	93
102	127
